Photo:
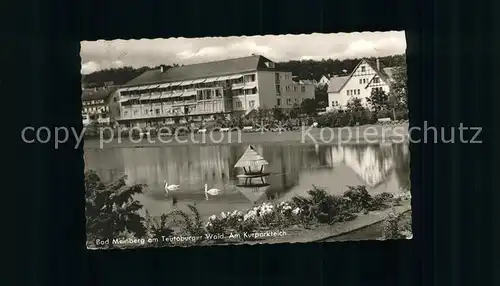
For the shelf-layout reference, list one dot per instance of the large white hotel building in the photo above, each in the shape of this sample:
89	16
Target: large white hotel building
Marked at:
199	91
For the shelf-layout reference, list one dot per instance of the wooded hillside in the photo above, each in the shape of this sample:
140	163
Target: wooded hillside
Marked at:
305	69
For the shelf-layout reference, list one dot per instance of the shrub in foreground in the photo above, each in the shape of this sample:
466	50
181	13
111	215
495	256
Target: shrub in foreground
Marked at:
397	226
111	209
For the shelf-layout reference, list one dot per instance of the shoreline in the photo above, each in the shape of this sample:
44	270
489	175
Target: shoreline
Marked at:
313	136
327	232
299	234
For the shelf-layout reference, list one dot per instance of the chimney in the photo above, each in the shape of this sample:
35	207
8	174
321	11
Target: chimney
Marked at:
378	64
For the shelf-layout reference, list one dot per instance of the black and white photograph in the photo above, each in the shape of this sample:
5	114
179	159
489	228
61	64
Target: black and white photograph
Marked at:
246	140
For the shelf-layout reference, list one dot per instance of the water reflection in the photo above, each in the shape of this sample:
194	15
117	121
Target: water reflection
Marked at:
294	169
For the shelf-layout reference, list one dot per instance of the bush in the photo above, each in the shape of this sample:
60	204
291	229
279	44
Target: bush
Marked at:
189	225
397	226
402	114
382	201
158	227
361	201
320	207
384	113
234	222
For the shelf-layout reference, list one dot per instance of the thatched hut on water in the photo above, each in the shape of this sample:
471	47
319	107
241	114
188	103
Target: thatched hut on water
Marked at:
252	164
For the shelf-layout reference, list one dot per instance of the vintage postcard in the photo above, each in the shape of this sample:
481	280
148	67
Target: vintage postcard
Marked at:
246	140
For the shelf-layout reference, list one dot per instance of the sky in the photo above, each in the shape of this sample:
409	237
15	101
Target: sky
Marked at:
98	55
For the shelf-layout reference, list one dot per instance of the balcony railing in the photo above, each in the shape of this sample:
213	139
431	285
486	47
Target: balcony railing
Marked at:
201	107
238	85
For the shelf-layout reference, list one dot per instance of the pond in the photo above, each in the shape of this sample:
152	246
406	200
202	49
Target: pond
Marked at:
293	169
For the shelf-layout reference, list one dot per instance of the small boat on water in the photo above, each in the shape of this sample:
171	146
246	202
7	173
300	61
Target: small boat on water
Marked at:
252	164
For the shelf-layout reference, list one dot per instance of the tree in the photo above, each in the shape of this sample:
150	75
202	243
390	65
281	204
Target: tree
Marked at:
399	89
309	106
357	112
278	113
294	113
378	99
354	105
321	95
111	209
305	69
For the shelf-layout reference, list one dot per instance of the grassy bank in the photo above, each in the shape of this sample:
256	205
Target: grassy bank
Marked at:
343	135
370	231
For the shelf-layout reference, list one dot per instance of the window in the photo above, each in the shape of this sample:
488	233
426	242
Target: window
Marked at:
295	89
360	81
376	80
270	65
157	111
250	78
277	89
363	69
358	92
238	104
348	92
303	88
333	103
287	88
278	102
125	113
251	103
289	101
277	77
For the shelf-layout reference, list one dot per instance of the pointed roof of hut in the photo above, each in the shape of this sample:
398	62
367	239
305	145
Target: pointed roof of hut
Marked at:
251	159
253	194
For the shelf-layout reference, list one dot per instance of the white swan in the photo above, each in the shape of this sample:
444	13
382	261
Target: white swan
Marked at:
212	192
170	188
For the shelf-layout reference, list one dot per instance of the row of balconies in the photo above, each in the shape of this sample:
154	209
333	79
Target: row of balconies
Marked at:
170	93
150	111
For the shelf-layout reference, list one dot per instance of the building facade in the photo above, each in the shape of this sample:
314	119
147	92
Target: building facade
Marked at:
200	91
324	80
365	77
95	104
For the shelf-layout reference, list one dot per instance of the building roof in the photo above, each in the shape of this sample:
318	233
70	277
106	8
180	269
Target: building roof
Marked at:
336	83
380	72
251	159
208	69
309	81
91	94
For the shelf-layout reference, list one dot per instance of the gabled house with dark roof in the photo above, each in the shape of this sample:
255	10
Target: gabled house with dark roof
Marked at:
200	91
366	76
